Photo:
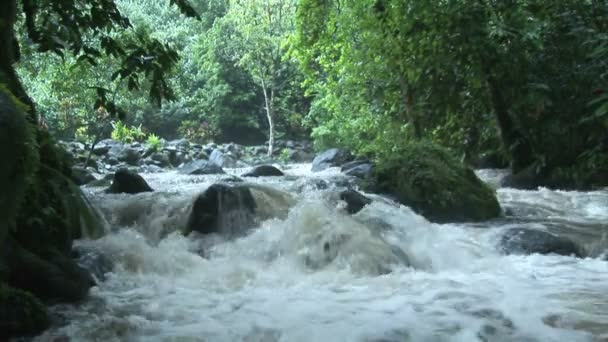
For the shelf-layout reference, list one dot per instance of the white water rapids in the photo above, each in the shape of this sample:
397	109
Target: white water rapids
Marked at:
312	272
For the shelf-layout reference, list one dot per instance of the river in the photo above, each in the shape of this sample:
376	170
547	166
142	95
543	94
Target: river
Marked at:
311	272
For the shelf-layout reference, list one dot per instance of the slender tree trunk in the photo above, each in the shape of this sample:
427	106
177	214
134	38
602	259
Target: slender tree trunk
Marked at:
269	99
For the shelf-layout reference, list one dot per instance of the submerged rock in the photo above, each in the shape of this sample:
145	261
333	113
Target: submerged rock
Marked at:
355	201
97	263
433	183
128	182
201	167
263	171
530	241
330	158
222	208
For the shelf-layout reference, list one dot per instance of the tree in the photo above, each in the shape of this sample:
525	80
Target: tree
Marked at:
260	30
388	71
42	210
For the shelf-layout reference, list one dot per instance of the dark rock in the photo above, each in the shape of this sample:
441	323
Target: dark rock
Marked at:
221	159
530	241
97	263
431	181
359	168
128	182
231	179
330	158
21	314
51	276
310	184
101	149
526	179
162	158
263	171
130	156
222	208
300	156
112	160
182	144
355	201
201	167
82	176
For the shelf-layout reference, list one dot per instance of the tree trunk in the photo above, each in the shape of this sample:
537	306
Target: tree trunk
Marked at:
269	116
513	140
408	104
9	54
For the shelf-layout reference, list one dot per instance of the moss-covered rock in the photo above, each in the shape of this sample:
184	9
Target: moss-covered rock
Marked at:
19	159
21	314
433	183
50	275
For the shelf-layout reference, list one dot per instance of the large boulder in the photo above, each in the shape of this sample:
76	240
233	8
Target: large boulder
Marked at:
201	167
330	158
433	183
530	241
128	182
227	209
222	159
21	314
50	276
263	171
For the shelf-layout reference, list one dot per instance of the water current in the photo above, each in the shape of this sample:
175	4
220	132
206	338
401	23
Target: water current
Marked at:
309	271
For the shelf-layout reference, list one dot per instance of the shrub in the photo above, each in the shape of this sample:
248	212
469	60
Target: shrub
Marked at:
125	134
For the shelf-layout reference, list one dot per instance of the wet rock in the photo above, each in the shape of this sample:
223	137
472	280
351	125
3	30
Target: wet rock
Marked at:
428	179
130	156
359	168
201	167
182	144
222	208
263	171
50	276
97	263
128	182
222	159
82	176
21	314
101	149
355	201
310	184
530	241
330	158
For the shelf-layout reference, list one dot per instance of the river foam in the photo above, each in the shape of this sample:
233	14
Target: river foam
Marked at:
315	273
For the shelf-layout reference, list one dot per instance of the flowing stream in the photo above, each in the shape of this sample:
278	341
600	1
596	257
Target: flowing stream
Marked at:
309	271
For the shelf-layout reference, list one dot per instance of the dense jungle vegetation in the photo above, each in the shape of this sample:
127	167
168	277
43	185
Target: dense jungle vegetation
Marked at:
518	83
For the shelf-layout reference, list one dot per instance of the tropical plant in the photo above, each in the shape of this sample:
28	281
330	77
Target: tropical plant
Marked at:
153	142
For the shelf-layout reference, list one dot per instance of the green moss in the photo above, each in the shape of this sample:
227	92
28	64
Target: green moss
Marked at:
21	314
20	158
433	183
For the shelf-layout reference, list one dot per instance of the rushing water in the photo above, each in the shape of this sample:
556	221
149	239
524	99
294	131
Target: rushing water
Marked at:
311	272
